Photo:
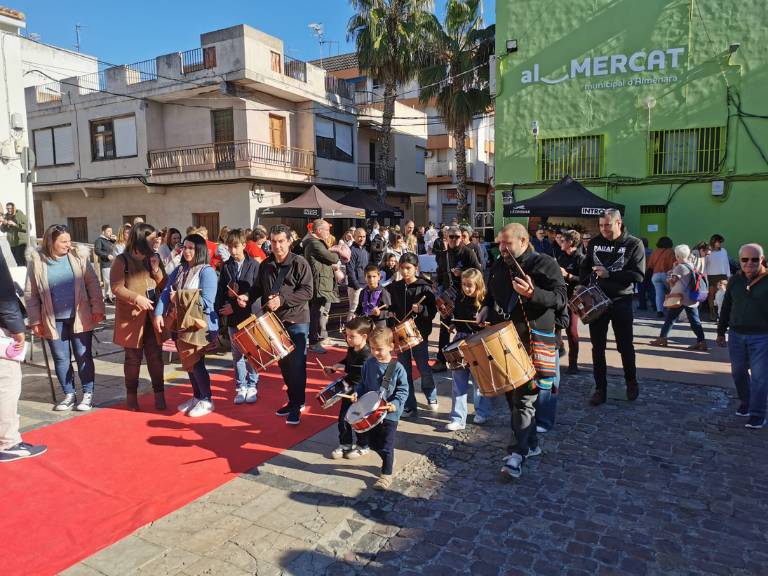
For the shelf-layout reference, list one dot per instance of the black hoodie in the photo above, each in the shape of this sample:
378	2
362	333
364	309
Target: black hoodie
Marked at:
406	295
624	258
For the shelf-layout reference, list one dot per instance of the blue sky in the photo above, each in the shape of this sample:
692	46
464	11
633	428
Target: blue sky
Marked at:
124	32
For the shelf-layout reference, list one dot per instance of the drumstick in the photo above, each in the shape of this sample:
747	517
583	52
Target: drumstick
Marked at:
347	396
232	291
519	268
446	325
417	304
321	364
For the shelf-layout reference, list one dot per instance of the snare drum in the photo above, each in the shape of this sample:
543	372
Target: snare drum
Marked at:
589	302
498	360
263	340
407	335
330	394
367	413
446	302
454	356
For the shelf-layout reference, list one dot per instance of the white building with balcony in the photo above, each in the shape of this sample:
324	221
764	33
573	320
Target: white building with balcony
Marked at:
203	137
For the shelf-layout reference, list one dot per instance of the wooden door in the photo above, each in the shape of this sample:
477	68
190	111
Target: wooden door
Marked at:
277	136
223	138
210	220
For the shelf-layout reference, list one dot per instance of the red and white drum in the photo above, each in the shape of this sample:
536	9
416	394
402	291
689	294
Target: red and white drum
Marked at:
263	340
367	413
454	356
589	302
407	335
329	395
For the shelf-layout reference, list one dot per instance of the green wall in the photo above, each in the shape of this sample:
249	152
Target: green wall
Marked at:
693	35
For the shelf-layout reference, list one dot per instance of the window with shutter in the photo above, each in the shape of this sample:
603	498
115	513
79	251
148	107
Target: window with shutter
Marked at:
78	229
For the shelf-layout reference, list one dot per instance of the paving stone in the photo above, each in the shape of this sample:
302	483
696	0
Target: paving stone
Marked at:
125	556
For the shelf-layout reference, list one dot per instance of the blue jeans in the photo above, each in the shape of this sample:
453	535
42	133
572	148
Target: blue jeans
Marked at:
60	352
660	286
749	367
242	368
459	396
546	403
294	366
671	314
419	353
483	404
201	380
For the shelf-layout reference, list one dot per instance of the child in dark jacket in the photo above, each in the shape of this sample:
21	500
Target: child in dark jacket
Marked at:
235	280
374	298
414	297
356	333
383	374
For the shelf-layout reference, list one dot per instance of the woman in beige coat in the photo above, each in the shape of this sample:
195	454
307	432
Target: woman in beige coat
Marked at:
137	278
63	300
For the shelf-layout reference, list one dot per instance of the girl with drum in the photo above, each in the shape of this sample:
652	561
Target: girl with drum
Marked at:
468	304
413	297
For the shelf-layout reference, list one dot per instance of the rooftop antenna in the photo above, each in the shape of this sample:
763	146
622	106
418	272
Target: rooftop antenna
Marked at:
78	27
317	30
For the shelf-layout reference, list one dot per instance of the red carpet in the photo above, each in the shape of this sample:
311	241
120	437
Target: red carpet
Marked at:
110	472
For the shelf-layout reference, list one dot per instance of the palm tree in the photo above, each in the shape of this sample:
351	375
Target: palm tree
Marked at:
456	77
388	39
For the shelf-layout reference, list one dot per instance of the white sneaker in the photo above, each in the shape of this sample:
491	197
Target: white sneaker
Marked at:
67	403
513	466
251	395
188	405
240	396
356	452
541	430
454	425
434	406
202	408
479	420
86	403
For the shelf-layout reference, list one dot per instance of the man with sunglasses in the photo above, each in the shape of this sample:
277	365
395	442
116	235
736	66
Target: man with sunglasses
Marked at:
744	316
451	262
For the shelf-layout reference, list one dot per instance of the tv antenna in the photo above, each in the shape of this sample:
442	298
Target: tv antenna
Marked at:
78	27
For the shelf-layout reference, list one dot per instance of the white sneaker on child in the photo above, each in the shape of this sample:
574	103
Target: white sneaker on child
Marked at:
202	408
251	395
240	396
340	452
454	425
356	452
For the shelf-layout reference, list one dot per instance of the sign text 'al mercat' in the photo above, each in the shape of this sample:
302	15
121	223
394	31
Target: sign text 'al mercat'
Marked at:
639	64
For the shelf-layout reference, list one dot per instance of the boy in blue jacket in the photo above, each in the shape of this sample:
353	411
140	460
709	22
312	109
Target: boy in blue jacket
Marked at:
383	374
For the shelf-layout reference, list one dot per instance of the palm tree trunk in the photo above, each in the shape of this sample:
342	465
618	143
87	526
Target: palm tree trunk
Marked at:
460	152
382	170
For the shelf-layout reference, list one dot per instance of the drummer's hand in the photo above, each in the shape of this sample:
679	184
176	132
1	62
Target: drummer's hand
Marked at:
417	308
720	341
456	271
375	311
226	310
564	272
329	370
242	300
353	399
601	271
524	287
391	407
274	302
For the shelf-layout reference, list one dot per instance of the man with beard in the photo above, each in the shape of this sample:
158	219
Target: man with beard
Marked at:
530	300
615	260
450	264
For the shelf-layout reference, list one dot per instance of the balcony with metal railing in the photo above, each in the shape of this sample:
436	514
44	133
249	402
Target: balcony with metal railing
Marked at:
231	155
368	172
296	69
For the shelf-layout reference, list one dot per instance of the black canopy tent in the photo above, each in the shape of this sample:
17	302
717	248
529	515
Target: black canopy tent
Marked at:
312	204
566	198
373	208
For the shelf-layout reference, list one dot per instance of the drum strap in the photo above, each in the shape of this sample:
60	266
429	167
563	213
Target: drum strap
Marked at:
384	392
282	272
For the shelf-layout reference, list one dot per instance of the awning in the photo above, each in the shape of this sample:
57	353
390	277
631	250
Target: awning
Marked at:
373	208
566	198
313	204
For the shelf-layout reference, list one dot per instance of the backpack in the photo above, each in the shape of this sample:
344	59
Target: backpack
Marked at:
698	289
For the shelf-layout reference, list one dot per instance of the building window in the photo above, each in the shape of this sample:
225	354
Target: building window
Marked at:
54	146
113	138
78	229
689	151
576	156
333	139
276	59
421	154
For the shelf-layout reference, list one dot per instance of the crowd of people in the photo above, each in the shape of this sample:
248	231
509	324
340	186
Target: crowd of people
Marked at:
189	289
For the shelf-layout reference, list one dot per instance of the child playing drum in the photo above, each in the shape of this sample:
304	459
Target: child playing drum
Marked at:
467	306
356	333
387	376
374	299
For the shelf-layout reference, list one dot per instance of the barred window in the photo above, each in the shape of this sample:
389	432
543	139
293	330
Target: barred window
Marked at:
688	151
576	156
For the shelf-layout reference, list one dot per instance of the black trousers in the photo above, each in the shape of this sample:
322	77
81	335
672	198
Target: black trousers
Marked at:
382	440
18	254
445	339
620	317
345	430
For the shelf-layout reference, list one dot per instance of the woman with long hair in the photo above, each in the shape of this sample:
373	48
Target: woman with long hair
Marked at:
170	250
137	278
123	233
188	299
64	305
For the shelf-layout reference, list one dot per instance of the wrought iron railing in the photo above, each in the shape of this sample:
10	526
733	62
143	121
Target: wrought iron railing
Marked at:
227	155
366	174
142	71
296	69
50	92
198	59
339	87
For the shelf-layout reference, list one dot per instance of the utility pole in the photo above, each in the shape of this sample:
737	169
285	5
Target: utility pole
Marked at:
77	35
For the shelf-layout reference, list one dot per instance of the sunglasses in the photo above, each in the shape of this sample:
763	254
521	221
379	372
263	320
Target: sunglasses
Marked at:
753	260
454	236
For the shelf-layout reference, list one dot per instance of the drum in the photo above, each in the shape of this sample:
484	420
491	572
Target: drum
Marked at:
329	395
446	302
407	335
368	412
263	340
498	360
454	356
589	302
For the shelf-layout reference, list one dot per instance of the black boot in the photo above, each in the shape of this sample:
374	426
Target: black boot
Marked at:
160	400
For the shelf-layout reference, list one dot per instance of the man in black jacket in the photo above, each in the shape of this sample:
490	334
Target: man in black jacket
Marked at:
11	326
451	262
356	270
238	275
530	301
284	284
321	262
104	247
616	261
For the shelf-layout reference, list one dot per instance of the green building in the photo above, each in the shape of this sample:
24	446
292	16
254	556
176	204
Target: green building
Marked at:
660	105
